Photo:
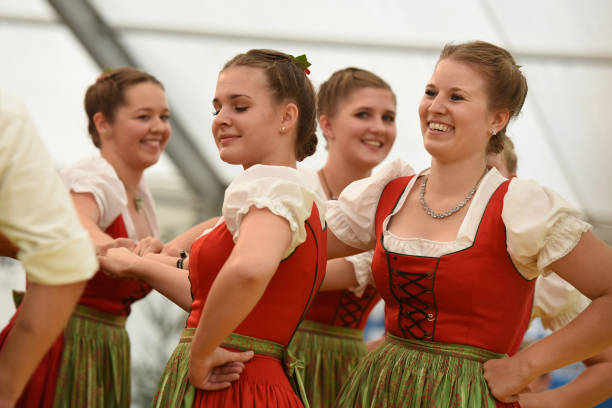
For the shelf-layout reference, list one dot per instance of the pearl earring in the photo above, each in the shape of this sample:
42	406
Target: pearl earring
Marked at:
493	132
283	128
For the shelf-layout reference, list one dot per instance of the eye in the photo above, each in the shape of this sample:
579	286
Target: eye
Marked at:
362	115
241	108
388	118
430	92
457	97
143	117
216	112
165	118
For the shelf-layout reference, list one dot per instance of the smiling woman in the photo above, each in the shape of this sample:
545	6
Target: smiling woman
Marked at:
89	365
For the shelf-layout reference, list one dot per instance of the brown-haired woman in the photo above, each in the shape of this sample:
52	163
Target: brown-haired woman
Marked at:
356	111
89	365
254	274
457	253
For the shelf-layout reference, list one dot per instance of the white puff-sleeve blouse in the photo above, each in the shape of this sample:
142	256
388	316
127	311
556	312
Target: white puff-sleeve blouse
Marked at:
541	226
556	302
96	176
282	190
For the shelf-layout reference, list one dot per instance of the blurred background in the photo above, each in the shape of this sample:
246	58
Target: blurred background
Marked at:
50	51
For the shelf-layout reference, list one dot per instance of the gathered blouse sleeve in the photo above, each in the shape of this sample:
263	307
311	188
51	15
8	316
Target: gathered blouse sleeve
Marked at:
362	267
556	302
541	226
282	190
96	176
351	217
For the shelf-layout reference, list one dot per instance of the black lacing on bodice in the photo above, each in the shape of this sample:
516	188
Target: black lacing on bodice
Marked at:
414	293
351	308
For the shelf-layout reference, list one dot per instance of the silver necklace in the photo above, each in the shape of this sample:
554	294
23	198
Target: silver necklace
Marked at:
329	191
453	210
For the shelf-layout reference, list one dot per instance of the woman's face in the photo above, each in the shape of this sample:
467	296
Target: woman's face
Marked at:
454	112
141	128
248	121
362	130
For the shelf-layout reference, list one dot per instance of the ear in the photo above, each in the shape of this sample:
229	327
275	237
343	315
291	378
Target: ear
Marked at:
326	127
101	123
289	117
499	119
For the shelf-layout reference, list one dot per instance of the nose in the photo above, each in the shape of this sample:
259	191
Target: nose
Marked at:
221	118
159	125
437	105
377	126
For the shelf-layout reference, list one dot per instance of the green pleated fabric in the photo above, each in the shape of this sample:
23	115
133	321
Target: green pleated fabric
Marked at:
174	389
95	366
419	374
329	353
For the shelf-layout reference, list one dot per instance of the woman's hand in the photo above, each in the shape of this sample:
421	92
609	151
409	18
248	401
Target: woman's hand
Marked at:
148	245
101	249
119	262
217	370
507	377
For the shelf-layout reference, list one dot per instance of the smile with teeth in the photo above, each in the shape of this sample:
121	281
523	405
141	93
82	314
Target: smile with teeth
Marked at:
375	143
439	126
151	142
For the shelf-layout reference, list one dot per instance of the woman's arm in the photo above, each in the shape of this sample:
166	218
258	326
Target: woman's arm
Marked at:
339	274
89	215
591	387
158	271
241	282
587	267
29	340
184	241
338	249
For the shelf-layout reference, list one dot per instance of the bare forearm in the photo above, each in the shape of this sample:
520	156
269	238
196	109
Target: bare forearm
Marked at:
168	280
185	240
339	274
591	387
29	340
582	338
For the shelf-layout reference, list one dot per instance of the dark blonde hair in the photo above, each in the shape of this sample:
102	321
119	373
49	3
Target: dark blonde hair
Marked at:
107	94
341	84
507	87
510	155
288	82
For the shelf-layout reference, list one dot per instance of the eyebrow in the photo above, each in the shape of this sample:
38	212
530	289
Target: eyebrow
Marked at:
148	109
234	96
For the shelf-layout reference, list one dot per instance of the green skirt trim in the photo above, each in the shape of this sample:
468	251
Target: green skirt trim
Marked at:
95	367
174	389
329	354
419	374
308	326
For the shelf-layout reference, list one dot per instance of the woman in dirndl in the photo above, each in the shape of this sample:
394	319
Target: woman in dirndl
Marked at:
457	253
89	364
356	112
253	274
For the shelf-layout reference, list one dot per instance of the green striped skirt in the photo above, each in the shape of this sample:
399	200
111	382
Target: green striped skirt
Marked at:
419	374
175	390
95	366
329	354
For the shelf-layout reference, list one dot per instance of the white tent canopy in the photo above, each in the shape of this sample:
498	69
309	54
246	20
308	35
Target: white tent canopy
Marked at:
564	47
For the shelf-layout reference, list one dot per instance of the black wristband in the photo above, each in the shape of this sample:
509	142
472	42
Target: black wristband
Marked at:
179	263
